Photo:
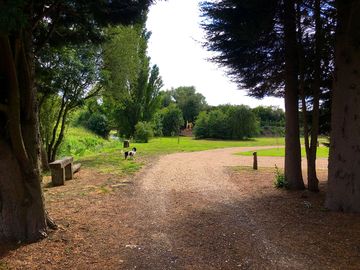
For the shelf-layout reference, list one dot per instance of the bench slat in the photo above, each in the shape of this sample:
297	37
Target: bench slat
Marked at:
61	162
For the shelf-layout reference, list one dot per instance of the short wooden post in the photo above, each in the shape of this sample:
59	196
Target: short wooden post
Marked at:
126	143
255	165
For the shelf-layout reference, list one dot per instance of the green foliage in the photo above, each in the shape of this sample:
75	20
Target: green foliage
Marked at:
172	120
272	120
250	48
157	124
93	117
218	125
143	132
280	181
98	124
201	129
64	77
132	86
227	122
79	142
189	102
242	121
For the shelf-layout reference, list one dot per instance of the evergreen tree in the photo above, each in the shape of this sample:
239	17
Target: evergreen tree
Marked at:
256	41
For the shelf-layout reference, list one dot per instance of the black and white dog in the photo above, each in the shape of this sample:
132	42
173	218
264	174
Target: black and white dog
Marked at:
130	154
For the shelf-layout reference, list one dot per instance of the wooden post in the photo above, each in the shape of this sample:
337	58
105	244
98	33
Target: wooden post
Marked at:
126	143
255	165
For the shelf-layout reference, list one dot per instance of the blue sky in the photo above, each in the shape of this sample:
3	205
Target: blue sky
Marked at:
175	46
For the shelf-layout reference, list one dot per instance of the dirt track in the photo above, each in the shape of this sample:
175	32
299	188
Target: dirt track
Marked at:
193	211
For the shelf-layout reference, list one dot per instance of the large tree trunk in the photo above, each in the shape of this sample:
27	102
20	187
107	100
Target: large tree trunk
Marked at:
293	173
22	213
344	161
22	216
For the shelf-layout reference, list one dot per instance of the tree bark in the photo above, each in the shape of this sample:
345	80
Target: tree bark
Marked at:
344	160
313	182
22	214
293	172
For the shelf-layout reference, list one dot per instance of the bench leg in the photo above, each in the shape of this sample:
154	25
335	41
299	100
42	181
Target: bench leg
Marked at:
58	177
68	172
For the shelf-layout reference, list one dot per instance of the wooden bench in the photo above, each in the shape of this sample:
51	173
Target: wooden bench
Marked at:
61	170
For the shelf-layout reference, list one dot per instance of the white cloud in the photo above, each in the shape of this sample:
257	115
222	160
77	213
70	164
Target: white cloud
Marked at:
175	46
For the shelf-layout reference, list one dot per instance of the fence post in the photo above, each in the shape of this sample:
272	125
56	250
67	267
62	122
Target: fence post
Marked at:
255	165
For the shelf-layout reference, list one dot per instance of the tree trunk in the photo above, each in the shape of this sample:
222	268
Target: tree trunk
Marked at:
22	213
22	216
313	182
344	161
293	172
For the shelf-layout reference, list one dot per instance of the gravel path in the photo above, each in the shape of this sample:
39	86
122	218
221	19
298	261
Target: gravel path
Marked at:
181	209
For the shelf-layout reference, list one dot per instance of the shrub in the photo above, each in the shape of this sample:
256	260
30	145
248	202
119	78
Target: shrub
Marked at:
218	127
201	129
280	181
95	122
172	120
143	131
98	123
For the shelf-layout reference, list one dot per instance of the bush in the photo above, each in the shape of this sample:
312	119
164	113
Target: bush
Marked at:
201	129
172	120
280	181
95	122
98	123
218	127
143	131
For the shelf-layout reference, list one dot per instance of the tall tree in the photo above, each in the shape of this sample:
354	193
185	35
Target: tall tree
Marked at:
132	87
256	41
315	27
25	27
189	102
293	172
344	170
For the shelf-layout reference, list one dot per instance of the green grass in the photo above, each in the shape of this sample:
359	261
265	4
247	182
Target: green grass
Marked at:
107	156
322	152
186	144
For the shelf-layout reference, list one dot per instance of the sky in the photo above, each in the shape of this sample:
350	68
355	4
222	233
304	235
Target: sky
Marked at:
176	47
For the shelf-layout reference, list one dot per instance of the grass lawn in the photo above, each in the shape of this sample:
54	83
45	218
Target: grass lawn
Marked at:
322	152
107	156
